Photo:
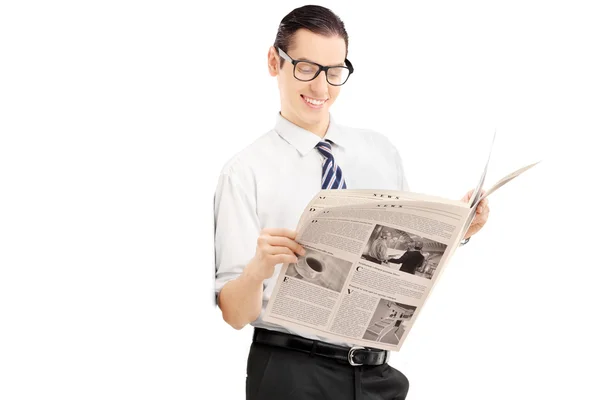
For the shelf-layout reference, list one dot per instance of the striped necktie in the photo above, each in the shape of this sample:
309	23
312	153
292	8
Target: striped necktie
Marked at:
332	177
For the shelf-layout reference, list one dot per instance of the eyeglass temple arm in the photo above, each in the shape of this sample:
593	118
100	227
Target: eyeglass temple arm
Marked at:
282	54
349	65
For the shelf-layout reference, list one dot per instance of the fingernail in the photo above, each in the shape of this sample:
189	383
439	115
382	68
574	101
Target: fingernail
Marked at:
302	251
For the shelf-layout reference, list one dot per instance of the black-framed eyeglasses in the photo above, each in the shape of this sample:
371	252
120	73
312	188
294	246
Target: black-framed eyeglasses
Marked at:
306	71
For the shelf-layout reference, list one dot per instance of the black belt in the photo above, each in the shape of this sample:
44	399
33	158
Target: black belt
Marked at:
354	356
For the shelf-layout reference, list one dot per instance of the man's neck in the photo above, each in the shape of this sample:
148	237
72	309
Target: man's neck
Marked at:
319	129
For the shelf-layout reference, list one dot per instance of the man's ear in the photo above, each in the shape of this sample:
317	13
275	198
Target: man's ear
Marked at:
273	61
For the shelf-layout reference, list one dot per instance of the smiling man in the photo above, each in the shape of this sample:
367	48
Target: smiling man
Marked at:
305	100
260	196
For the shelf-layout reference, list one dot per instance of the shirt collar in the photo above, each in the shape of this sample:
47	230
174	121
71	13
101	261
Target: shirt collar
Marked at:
304	141
334	133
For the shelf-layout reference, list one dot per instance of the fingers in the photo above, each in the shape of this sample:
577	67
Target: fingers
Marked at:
481	219
483	206
486	212
279	232
274	250
267	241
467	196
276	247
279	252
283	259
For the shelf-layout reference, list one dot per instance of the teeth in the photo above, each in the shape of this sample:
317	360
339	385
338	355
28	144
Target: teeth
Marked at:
313	101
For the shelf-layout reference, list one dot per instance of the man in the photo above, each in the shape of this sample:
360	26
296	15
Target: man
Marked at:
262	192
411	260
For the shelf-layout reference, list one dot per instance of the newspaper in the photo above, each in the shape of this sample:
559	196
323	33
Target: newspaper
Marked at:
372	259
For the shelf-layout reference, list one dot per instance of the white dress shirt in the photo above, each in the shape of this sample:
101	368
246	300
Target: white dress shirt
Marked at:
269	183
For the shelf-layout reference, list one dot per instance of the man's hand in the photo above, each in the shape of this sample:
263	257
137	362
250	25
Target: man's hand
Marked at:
481	216
240	299
274	246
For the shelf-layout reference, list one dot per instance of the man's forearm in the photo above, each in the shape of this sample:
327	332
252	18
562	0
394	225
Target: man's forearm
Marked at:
240	300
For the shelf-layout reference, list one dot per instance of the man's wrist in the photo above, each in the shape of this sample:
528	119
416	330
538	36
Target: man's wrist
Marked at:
251	273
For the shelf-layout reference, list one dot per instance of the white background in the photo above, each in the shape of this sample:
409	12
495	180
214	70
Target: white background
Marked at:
117	116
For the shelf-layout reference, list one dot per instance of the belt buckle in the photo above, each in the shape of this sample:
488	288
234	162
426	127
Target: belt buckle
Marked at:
351	355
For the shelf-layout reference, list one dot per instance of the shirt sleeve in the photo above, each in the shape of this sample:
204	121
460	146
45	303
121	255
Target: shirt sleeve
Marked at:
404	257
236	229
390	150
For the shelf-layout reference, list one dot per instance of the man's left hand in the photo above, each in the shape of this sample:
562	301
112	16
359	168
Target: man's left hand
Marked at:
481	216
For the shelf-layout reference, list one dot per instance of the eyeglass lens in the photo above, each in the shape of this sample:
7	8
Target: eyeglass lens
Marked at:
306	71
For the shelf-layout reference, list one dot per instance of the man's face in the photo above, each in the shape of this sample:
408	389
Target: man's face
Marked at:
307	103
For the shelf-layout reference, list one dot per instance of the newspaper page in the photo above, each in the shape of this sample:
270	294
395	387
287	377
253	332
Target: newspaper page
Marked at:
372	259
368	268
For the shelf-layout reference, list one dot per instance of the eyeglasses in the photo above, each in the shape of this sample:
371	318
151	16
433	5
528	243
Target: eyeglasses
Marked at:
306	71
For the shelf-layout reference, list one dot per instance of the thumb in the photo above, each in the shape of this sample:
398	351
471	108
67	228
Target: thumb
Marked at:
467	196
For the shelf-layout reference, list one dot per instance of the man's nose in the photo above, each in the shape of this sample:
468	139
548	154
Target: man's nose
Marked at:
319	84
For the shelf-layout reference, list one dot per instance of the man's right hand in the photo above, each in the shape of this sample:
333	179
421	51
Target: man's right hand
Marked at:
274	246
241	298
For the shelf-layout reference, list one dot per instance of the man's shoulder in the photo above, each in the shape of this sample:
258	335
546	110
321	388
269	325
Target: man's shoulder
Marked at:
246	157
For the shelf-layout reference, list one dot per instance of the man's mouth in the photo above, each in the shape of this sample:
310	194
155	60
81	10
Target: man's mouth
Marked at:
312	102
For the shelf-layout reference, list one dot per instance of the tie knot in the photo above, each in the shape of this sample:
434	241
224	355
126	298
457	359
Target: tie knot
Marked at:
324	148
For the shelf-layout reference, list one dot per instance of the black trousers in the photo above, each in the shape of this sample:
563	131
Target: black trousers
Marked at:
275	373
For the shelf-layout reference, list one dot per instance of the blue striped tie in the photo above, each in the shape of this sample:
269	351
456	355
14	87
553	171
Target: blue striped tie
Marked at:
332	177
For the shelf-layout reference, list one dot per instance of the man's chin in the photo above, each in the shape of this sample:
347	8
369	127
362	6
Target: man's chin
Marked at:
314	117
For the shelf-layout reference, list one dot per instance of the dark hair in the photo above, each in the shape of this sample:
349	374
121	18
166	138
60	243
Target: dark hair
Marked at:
317	19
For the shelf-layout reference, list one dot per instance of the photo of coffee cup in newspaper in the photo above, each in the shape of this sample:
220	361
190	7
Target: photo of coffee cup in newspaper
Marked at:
310	268
321	269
